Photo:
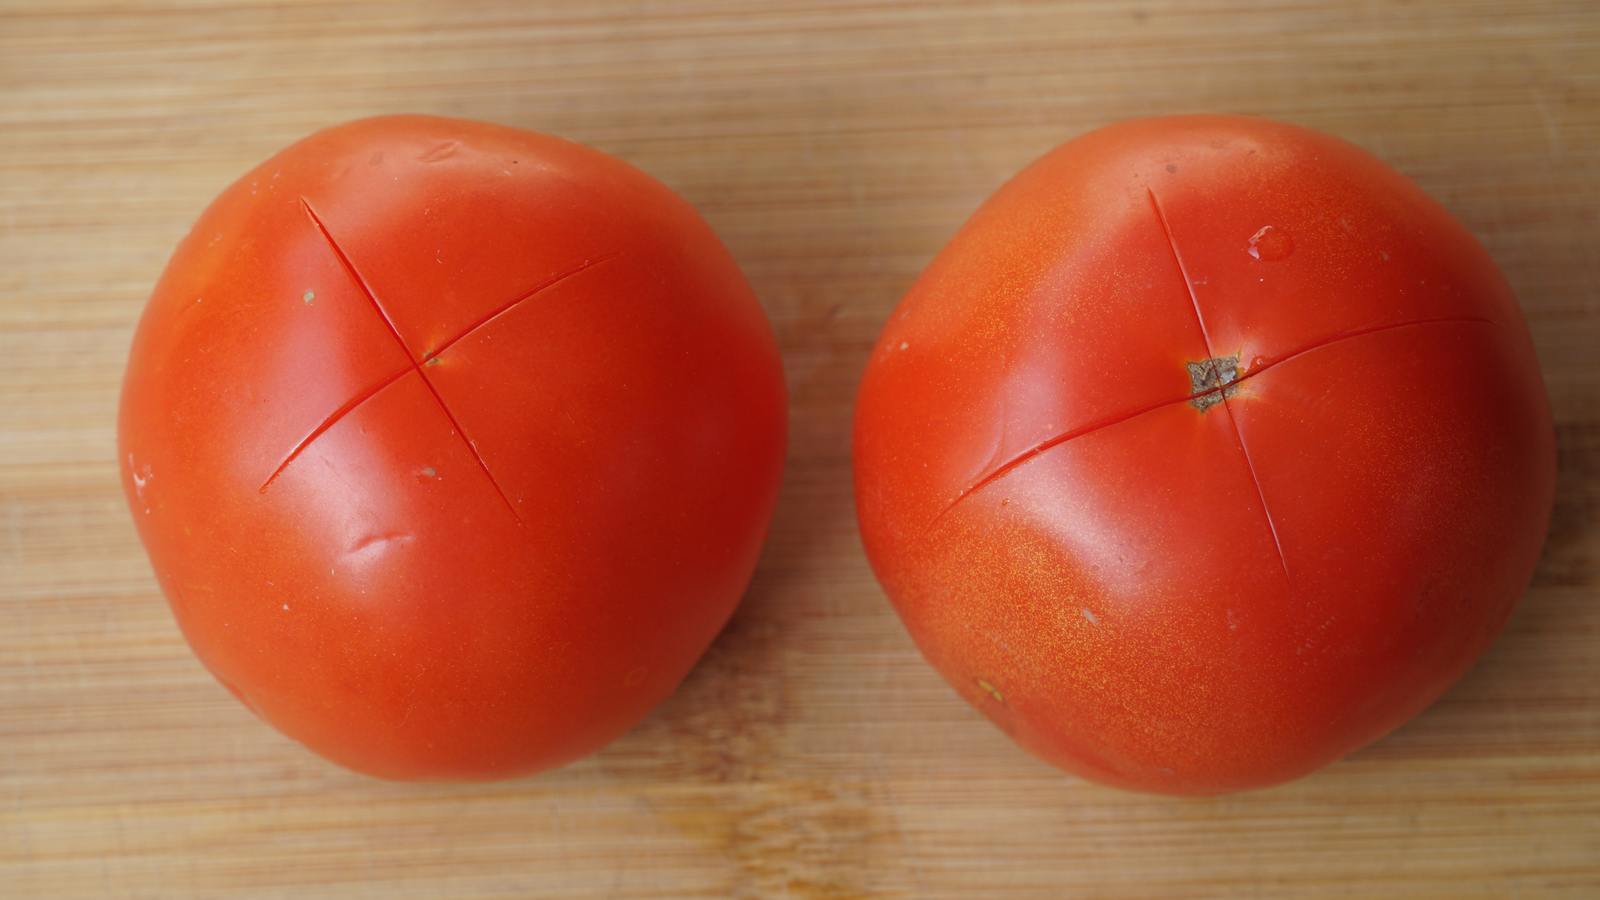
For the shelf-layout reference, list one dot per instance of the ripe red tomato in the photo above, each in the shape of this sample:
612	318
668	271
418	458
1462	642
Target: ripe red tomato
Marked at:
1208	451
453	445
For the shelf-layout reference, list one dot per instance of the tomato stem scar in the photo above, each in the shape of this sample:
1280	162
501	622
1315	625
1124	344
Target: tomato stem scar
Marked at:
1212	380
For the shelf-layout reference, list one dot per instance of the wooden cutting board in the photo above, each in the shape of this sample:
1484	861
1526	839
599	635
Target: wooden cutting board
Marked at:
813	754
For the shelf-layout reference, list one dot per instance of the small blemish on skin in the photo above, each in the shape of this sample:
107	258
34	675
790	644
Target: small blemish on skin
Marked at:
309	296
1270	244
991	690
443	151
1172	168
1089	615
904	345
428	472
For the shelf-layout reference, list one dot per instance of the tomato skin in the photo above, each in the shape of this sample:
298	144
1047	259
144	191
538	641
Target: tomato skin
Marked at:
1185	600
453	445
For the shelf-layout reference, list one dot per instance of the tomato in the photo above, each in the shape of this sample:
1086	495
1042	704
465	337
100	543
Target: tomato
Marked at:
1209	450
453	445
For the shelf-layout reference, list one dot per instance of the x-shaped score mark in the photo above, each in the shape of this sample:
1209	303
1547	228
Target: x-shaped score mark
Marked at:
417	365
1213	381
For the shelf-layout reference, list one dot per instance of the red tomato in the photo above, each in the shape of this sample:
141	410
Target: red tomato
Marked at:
1208	451
453	445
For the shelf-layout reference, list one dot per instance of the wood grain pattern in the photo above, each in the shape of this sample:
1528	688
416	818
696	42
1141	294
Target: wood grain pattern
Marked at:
835	146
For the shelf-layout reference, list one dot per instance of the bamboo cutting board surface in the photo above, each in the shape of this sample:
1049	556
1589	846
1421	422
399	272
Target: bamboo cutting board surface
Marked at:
835	146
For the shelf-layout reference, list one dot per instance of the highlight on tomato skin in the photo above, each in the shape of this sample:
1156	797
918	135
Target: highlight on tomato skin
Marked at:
1208	451
453	445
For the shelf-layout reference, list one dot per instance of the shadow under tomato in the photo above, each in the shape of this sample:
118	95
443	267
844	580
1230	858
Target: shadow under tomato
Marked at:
1572	551
718	761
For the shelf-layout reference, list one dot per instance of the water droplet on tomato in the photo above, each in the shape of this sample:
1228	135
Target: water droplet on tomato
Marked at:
1270	244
